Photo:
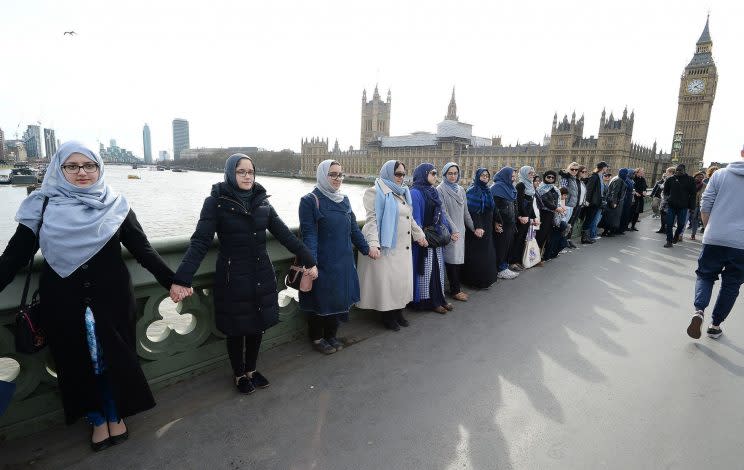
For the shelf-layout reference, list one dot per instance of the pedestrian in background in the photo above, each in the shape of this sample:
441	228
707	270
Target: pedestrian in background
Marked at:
680	192
723	247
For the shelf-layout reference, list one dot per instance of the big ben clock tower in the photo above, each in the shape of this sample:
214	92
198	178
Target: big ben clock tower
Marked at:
697	90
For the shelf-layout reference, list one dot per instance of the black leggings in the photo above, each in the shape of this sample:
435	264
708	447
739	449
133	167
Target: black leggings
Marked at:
453	276
322	326
240	361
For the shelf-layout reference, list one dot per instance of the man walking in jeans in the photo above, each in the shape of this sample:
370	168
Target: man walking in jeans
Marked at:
679	190
722	212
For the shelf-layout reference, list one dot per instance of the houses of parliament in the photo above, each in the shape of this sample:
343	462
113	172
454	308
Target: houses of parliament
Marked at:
454	141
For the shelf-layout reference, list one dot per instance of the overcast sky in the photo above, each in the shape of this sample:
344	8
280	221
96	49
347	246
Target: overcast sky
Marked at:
266	74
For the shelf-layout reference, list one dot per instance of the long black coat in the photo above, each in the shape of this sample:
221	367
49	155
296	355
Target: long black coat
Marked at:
480	268
102	283
245	293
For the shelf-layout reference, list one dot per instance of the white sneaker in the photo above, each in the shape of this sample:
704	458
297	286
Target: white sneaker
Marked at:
597	238
506	274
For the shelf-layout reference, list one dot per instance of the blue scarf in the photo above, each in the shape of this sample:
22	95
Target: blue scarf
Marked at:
503	186
78	222
479	196
386	207
430	193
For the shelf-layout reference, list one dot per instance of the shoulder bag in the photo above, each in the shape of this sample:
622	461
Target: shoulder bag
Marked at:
29	337
295	277
531	255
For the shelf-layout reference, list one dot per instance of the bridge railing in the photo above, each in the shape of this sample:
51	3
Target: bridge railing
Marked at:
173	341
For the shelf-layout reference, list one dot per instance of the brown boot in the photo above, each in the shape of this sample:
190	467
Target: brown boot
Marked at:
461	296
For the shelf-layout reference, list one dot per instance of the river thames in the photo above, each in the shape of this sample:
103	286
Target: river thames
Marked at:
167	204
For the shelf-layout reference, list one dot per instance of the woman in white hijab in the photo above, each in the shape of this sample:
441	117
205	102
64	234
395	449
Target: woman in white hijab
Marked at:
330	231
88	306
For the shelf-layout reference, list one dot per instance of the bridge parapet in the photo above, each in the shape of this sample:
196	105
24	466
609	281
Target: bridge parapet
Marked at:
173	341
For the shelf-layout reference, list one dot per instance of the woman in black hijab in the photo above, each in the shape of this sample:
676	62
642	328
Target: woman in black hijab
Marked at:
245	294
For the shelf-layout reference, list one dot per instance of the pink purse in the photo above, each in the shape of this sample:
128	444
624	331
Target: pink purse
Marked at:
295	277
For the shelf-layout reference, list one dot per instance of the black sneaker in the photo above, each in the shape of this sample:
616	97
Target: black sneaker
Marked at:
669	245
334	342
323	347
693	331
714	333
259	381
244	385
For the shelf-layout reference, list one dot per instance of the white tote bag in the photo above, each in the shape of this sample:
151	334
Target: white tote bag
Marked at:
531	254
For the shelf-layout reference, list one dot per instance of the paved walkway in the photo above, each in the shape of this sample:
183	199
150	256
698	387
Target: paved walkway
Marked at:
581	364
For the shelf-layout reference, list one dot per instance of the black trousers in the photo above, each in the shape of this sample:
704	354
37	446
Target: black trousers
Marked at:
503	242
243	352
517	247
322	326
453	276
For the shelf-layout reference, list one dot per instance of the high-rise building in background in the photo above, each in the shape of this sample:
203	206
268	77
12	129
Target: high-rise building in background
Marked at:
50	143
163	156
180	137
147	143
2	145
32	141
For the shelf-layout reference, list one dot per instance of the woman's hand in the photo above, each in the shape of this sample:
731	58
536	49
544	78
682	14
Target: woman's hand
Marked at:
498	228
374	252
536	223
523	220
422	242
178	293
312	272
479	232
455	236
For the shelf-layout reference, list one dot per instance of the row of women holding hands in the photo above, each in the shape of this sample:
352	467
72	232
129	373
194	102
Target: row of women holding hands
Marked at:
90	324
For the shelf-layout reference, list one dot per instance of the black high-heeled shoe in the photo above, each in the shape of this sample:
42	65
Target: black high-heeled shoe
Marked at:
118	439
99	446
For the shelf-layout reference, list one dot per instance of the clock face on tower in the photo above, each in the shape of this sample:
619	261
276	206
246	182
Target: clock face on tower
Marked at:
695	86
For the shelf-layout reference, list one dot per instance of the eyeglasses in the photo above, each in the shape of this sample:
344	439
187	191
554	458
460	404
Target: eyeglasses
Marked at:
336	176
573	169
400	174
607	175
485	175
452	173
549	178
433	172
73	169
244	173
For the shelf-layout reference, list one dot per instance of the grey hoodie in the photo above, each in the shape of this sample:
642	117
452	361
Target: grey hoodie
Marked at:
723	200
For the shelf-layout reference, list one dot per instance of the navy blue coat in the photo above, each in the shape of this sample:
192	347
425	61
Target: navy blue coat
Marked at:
330	233
245	294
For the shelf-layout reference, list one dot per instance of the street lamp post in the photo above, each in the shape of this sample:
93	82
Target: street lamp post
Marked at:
676	146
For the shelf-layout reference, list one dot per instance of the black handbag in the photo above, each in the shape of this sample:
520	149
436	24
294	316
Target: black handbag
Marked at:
29	336
437	236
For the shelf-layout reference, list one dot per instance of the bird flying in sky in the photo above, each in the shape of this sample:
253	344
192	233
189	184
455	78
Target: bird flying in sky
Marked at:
71	33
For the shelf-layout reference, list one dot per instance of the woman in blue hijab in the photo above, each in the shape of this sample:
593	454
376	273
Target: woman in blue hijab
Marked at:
480	269
87	302
428	263
387	280
505	198
245	290
627	214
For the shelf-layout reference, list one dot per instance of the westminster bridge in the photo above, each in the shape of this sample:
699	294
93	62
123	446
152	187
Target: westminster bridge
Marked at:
583	363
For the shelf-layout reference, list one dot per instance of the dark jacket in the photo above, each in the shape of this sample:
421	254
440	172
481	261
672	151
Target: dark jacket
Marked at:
524	204
549	200
505	213
640	187
245	293
330	232
680	191
594	190
103	284
656	191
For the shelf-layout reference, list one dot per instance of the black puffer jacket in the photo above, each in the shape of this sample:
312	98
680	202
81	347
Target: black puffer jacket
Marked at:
680	191
245	293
